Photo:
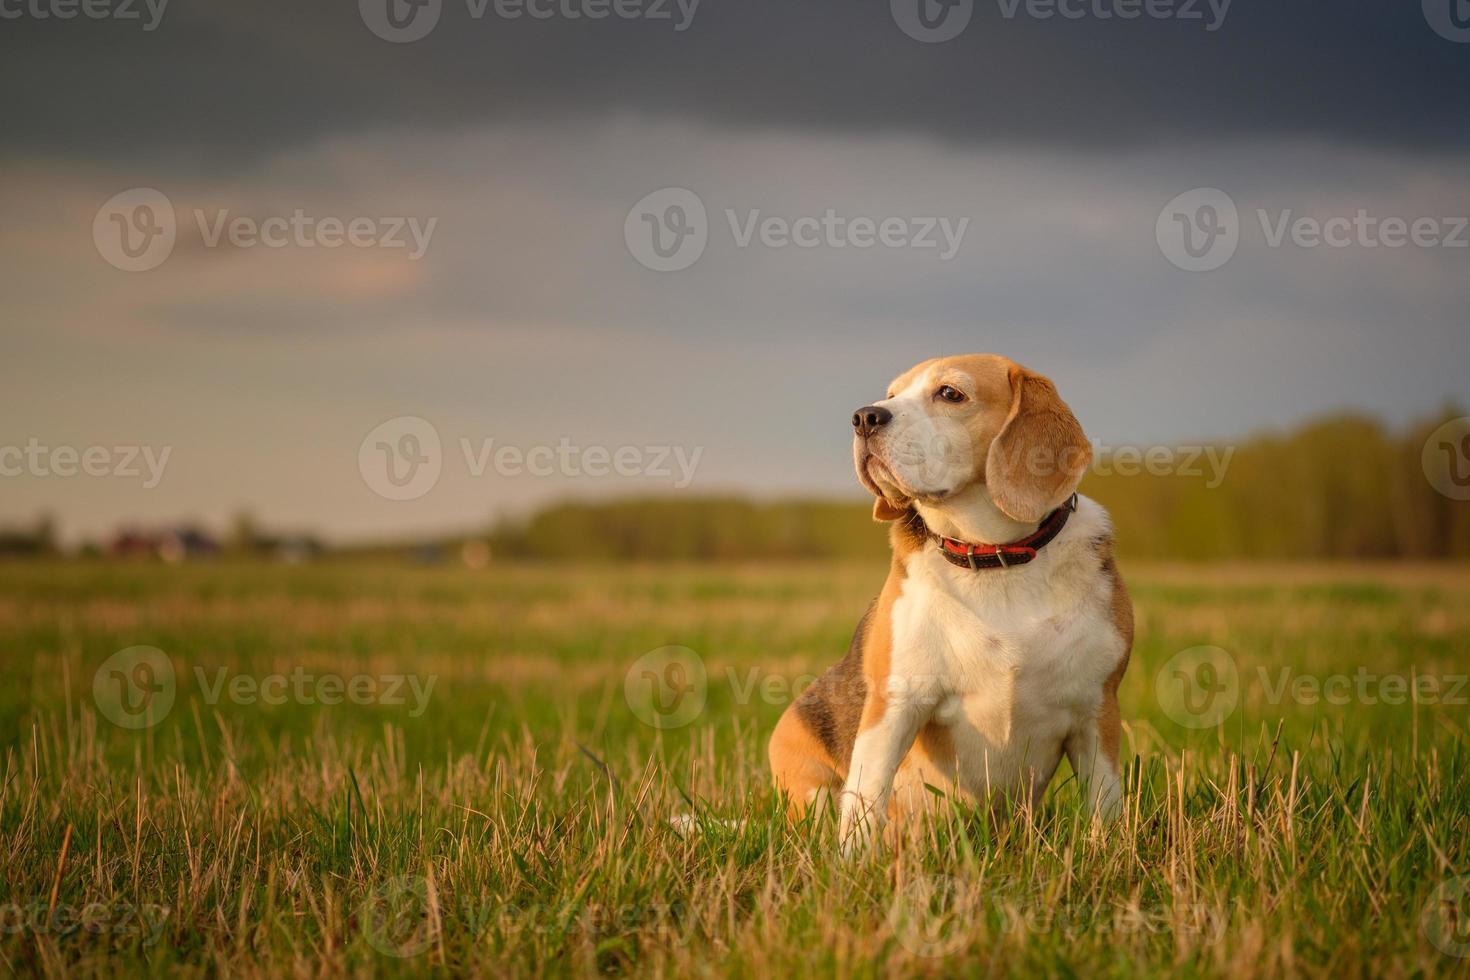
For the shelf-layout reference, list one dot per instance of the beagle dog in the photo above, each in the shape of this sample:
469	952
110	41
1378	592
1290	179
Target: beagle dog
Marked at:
1003	630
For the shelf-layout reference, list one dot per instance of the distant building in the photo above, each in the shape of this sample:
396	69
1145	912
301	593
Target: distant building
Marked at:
133	544
173	545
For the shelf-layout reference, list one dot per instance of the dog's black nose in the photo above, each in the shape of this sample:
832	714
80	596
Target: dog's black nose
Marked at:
870	419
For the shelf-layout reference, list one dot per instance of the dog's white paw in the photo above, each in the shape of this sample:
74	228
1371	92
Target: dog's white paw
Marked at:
687	824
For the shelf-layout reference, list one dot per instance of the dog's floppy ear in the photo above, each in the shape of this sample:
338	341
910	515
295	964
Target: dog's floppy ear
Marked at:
1040	455
884	510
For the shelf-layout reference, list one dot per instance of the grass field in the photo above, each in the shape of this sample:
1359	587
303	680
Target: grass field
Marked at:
493	792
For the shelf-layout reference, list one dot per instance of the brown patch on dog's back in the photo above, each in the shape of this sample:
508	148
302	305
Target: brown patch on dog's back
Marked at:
811	748
833	705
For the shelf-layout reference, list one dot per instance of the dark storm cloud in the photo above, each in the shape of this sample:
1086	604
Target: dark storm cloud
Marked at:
220	84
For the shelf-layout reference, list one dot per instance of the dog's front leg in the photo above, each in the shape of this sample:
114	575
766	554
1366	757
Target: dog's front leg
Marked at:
885	735
1096	764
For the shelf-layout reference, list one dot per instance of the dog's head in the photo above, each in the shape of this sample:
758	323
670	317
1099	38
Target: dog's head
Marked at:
952	423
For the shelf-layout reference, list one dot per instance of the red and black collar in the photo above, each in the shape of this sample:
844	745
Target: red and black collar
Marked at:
978	556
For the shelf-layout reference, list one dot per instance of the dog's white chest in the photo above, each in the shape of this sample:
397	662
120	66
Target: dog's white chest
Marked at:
1010	664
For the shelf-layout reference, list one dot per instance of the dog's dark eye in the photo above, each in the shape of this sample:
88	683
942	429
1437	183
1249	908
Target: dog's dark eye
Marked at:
949	394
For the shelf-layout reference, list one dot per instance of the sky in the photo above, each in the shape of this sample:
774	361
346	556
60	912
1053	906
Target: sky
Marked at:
1201	220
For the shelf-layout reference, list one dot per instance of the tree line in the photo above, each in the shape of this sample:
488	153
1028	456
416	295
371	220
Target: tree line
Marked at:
1340	488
